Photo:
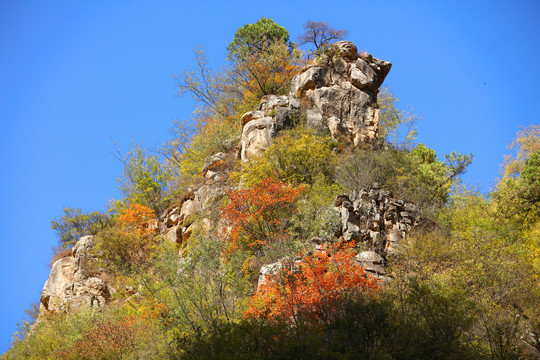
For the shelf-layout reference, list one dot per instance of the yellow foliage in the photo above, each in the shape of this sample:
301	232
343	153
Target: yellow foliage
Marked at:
526	143
295	157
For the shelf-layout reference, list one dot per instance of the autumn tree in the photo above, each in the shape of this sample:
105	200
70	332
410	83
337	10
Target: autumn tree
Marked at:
209	88
144	180
267	71
258	215
263	59
518	191
129	244
313	288
397	127
320	35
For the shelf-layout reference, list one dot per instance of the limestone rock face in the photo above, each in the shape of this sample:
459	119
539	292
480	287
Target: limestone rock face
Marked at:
372	263
72	285
260	126
340	93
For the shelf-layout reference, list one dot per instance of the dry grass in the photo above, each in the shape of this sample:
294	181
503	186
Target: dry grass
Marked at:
60	253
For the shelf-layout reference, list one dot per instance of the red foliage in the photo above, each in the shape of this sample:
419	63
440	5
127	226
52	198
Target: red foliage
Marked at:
258	215
313	288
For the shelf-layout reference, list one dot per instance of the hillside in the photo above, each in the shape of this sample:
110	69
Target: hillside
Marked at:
298	218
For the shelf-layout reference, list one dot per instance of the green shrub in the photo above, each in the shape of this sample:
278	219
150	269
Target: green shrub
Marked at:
297	157
316	215
144	180
74	224
415	175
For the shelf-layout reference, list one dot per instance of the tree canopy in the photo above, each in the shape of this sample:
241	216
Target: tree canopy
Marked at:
252	38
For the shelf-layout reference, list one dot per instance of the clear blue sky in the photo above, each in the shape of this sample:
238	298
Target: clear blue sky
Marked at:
73	74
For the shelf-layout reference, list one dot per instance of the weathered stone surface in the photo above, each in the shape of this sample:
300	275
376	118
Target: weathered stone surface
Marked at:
269	269
380	222
369	256
347	50
340	93
372	262
259	127
70	285
382	68
84	246
364	76
257	136
310	78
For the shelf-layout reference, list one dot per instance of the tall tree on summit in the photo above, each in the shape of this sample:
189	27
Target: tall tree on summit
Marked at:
264	60
253	38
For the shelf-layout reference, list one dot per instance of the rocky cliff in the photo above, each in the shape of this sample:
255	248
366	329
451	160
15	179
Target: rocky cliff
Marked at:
337	92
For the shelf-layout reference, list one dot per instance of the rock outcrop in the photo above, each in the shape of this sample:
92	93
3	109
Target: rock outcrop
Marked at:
338	92
376	221
72	284
373	217
274	114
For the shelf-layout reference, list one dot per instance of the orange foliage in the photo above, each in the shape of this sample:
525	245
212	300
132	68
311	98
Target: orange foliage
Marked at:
136	219
266	72
313	288
258	214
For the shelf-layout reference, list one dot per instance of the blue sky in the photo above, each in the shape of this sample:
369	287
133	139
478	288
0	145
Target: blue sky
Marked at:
74	74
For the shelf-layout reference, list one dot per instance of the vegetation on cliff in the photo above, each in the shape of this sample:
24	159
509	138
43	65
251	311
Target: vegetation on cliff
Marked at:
465	286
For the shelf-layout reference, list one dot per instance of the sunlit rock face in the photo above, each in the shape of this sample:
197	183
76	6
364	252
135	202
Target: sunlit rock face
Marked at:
74	282
339	92
260	126
178	222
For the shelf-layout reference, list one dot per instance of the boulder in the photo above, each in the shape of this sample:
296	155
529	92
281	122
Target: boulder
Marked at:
371	262
71	285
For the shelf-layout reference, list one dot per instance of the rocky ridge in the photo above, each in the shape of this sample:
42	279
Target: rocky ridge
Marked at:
339	93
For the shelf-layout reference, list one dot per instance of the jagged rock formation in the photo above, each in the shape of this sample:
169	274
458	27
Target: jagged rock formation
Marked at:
374	219
338	92
72	284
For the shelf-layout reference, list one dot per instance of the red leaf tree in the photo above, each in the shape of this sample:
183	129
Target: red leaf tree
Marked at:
258	216
313	288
